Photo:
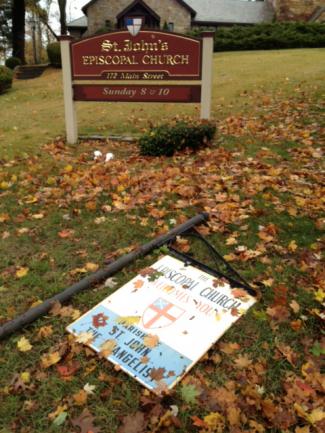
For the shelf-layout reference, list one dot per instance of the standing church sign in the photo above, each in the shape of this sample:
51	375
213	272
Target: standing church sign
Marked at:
151	66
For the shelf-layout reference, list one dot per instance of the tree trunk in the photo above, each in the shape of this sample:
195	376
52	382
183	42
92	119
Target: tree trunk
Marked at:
18	29
63	16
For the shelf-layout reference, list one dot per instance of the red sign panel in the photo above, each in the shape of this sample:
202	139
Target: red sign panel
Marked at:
151	55
137	93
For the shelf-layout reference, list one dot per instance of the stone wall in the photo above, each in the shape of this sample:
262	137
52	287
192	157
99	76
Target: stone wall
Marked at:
295	10
170	11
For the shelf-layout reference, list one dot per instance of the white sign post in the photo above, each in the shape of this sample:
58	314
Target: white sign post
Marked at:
69	104
207	74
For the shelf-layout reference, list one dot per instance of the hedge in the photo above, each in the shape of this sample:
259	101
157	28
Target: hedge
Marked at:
12	62
6	76
169	138
54	54
269	36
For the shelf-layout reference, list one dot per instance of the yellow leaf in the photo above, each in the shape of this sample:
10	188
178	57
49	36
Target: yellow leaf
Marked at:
106	349
38	216
68	168
50	359
21	272
31	199
316	416
91	267
128	320
319	295
24	345
25	376
215	422
292	246
57	412
4	185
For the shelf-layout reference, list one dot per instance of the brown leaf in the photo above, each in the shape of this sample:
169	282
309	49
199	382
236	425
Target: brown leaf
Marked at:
278	313
157	374
229	348
80	398
288	353
85	422
243	362
134	423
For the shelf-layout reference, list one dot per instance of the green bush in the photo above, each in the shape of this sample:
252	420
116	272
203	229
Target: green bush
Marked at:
6	76
54	54
268	36
167	139
12	62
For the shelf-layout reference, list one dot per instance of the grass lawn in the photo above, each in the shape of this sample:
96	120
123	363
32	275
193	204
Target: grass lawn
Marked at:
62	214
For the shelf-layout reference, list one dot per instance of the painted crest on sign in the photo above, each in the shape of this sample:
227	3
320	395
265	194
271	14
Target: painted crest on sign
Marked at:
133	25
160	314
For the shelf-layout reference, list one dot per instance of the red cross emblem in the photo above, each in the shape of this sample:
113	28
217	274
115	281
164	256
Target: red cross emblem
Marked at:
160	314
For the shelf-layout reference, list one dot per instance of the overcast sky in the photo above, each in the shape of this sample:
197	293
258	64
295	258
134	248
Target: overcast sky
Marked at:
73	11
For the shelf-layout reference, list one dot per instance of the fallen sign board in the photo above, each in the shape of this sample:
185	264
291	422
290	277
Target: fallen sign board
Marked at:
149	66
158	325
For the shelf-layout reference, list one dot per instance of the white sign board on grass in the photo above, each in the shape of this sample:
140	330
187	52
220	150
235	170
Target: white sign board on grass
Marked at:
159	324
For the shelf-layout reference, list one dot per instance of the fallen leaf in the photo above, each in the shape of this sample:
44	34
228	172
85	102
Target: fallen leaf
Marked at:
85	338
243	362
151	341
106	349
89	389
50	359
24	345
22	272
229	348
85	422
80	398
134	423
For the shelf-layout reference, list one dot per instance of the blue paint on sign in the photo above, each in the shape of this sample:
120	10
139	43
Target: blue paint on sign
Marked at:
148	364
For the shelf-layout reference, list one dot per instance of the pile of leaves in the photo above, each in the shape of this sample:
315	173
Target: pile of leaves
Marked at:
262	183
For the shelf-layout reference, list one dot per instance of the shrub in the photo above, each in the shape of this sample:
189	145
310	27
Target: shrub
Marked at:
270	36
6	76
54	54
167	139
12	62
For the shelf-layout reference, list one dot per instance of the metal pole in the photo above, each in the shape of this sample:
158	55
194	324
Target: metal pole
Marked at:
97	277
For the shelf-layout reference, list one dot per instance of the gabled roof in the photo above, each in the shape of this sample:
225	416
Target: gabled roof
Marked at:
183	3
231	11
81	22
138	2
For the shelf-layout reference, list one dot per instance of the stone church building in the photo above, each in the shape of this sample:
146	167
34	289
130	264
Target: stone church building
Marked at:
182	15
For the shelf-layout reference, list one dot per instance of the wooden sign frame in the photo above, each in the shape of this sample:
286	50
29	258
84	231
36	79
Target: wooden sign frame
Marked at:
154	66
